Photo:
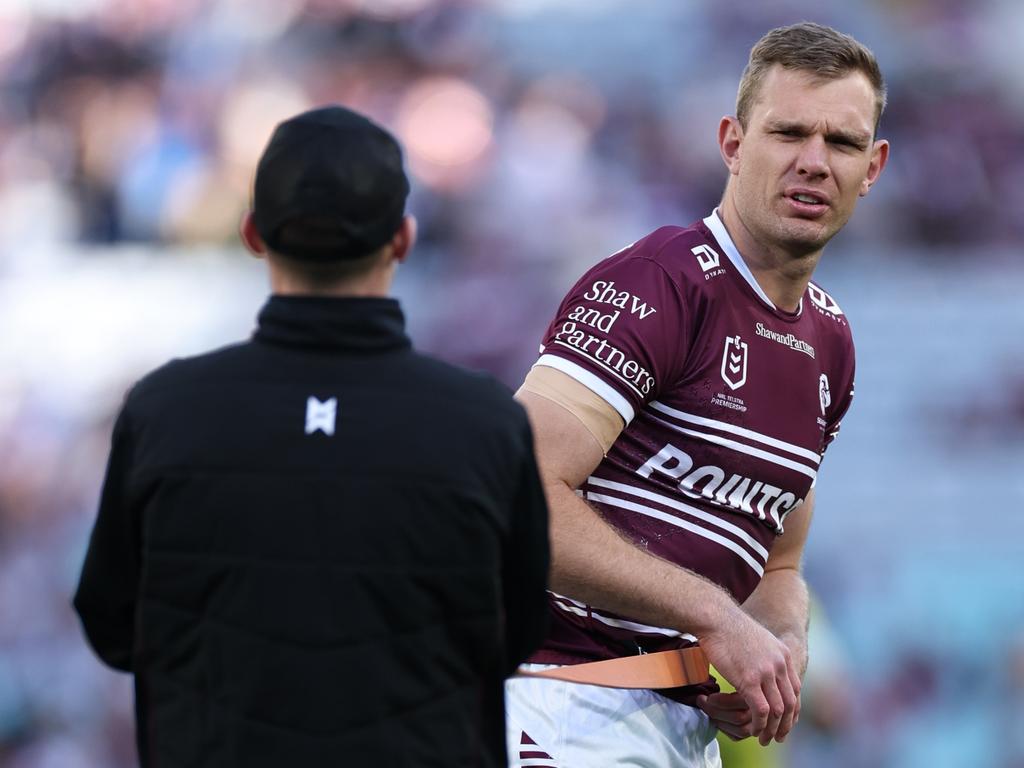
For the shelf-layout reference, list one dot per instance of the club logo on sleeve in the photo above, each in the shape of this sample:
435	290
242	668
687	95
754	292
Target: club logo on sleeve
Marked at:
824	393
320	417
734	362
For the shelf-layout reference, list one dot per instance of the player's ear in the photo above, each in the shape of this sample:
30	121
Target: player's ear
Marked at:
730	137
250	236
879	157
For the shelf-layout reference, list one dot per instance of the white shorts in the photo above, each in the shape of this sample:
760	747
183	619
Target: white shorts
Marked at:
553	724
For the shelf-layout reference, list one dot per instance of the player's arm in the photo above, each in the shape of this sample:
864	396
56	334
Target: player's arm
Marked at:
779	603
593	563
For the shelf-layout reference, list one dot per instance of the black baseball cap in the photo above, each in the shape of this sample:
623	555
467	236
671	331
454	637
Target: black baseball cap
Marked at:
338	177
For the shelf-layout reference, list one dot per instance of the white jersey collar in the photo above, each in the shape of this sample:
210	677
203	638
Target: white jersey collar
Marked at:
714	223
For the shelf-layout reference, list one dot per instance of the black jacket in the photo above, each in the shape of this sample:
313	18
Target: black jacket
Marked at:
293	588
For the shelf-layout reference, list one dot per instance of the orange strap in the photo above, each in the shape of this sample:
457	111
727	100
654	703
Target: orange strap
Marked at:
665	669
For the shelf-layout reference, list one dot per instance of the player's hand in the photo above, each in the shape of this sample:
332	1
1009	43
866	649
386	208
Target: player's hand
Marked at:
761	669
729	713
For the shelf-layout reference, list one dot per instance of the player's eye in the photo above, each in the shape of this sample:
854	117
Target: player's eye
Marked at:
845	143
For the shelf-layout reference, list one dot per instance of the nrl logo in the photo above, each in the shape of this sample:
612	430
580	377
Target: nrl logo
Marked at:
734	362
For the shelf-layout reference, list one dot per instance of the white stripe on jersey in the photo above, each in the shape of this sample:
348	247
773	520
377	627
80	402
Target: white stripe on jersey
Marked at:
717	227
591	382
633	626
742	448
723	426
673	520
566	599
700	514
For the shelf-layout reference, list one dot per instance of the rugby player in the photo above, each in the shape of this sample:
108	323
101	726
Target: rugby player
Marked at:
684	397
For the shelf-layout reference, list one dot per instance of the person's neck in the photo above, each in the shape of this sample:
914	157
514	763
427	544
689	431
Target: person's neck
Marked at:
375	284
782	275
285	288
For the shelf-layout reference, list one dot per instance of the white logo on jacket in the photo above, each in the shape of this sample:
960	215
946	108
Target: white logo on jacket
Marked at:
321	416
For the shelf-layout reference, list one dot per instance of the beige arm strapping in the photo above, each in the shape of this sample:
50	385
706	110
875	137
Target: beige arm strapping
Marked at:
600	418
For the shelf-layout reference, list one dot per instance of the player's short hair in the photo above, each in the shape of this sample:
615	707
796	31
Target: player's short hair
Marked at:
820	51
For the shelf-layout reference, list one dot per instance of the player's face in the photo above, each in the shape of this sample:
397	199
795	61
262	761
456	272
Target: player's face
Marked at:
806	155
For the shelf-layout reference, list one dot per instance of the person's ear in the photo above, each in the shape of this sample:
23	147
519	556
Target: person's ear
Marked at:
730	140
879	157
404	238
250	236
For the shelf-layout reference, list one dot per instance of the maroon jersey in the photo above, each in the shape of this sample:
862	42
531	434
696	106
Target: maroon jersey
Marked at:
729	404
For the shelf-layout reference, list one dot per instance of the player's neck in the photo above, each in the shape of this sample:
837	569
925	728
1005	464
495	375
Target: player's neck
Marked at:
782	275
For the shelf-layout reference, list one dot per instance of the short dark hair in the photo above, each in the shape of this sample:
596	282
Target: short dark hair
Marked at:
319	233
337	172
820	51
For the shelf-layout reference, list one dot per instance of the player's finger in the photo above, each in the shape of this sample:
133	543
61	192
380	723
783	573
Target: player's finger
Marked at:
786	724
760	709
777	709
796	692
790	701
726	701
794	678
796	711
728	708
734	732
738	717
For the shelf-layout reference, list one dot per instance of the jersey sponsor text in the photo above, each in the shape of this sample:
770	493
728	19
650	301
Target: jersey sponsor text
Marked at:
788	339
743	494
608	356
604	292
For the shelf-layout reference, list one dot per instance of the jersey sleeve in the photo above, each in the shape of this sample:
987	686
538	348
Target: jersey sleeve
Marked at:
839	408
621	331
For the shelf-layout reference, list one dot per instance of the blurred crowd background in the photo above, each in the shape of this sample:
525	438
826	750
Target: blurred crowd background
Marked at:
541	135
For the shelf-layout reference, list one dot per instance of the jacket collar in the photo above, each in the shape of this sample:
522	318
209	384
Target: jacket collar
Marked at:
355	323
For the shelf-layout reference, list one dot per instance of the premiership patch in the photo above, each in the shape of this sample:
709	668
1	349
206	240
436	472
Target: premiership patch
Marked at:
734	362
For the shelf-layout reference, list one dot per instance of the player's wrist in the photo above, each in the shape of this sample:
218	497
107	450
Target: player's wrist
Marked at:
716	612
796	642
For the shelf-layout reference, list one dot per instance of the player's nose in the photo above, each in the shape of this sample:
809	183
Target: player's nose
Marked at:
812	159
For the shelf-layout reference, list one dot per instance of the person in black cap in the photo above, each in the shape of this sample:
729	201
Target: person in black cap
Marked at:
319	547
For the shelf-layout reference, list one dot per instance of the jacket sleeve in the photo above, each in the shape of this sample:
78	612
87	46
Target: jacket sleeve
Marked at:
107	588
527	560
